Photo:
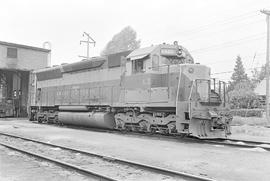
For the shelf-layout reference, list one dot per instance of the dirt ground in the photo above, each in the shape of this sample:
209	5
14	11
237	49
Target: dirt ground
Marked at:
214	161
15	166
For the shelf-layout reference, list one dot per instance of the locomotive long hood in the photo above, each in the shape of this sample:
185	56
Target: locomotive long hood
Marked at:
57	72
82	65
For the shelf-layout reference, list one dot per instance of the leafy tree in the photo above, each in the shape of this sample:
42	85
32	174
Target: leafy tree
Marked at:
239	74
258	75
240	89
123	41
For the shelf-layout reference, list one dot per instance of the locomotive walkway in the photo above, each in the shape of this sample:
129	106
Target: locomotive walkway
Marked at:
113	168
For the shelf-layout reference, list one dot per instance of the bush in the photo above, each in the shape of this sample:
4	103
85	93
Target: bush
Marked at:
243	97
247	112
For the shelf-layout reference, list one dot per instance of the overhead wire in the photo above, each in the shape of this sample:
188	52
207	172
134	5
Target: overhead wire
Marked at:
221	22
226	29
251	37
229	43
226	72
240	18
226	61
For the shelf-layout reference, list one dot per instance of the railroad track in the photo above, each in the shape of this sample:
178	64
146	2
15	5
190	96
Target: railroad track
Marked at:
240	143
219	141
98	166
177	138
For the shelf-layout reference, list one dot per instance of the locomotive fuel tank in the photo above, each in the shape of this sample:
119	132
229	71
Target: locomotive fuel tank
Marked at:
104	120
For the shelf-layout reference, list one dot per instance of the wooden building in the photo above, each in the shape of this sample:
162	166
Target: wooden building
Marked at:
16	63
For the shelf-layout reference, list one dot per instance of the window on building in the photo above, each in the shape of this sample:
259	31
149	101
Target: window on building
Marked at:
12	53
155	62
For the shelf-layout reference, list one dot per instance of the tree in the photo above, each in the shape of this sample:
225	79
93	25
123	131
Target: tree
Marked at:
240	89
239	75
123	41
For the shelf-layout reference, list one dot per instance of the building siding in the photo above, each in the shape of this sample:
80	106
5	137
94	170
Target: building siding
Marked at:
27	59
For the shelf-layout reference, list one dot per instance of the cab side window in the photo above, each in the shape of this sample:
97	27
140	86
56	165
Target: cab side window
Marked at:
138	66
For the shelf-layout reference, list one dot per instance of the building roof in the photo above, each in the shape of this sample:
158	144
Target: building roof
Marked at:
24	46
141	52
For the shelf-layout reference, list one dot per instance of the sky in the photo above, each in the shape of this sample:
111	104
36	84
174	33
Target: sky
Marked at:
214	31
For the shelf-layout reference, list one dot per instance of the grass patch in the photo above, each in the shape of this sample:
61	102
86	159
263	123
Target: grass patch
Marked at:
253	121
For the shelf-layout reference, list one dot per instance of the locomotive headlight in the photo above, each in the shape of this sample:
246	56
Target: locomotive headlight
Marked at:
179	52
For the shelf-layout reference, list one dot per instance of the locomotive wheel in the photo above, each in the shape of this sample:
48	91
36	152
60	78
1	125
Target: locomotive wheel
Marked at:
144	126
171	128
127	128
119	124
153	129
56	121
39	120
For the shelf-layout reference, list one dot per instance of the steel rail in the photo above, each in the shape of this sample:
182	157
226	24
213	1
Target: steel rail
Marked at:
118	160
61	163
187	139
238	143
245	141
217	141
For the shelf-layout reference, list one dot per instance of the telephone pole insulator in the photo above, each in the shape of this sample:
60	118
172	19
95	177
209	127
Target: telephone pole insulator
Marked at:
89	41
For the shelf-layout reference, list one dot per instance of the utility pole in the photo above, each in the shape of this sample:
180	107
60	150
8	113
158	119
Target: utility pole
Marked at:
267	13
50	54
88	41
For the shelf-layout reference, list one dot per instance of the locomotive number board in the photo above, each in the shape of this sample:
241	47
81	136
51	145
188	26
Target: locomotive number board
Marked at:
168	51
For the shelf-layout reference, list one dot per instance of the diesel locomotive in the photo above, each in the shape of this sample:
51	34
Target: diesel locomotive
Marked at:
154	89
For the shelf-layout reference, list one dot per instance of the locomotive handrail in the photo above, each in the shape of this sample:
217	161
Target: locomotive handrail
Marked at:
178	88
169	65
189	99
224	93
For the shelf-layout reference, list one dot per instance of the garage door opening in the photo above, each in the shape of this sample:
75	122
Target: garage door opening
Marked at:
13	93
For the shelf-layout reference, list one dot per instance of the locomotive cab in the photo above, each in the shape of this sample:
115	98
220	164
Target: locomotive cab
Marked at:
156	59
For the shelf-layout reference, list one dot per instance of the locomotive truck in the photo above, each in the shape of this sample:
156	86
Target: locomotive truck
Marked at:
154	89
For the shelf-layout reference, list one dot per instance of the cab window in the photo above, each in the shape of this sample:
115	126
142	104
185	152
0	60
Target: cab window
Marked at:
138	66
